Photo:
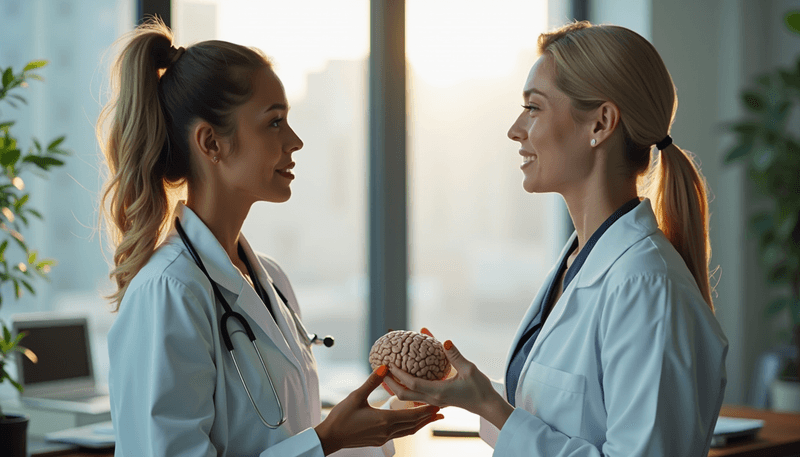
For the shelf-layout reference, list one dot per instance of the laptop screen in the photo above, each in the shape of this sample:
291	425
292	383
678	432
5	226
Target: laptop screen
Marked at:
61	347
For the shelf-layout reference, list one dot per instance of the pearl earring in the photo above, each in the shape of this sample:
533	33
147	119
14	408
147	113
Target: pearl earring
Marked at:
215	159
594	142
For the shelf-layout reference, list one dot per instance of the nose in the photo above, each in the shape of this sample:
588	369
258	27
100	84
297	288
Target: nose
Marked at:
517	132
294	143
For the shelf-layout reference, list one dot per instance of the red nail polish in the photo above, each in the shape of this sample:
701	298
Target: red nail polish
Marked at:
447	345
382	370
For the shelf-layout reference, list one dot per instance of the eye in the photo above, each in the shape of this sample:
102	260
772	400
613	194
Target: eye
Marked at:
277	122
530	108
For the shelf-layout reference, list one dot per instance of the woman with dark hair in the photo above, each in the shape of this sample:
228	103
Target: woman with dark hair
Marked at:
620	353
208	356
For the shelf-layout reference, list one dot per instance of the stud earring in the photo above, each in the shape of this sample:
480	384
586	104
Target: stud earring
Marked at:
594	142
215	159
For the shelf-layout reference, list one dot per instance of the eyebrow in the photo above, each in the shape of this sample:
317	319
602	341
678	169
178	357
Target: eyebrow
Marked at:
533	91
279	106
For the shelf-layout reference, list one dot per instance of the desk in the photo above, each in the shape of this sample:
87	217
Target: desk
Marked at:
779	437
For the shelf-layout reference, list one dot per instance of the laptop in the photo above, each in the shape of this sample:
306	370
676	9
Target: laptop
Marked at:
63	378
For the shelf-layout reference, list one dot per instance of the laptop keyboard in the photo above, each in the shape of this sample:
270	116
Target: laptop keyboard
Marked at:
74	396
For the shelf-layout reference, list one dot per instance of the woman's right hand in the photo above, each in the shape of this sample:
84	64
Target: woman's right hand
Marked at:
354	423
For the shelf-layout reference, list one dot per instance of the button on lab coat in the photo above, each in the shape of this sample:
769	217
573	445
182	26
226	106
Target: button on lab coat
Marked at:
630	362
174	388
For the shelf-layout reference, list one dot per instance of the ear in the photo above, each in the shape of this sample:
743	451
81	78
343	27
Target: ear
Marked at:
205	140
604	121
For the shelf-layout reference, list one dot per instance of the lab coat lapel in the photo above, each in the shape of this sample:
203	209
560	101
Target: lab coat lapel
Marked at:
639	223
225	274
251	304
285	334
537	303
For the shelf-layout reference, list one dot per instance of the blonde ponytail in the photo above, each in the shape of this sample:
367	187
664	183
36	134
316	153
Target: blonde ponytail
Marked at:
595	64
143	132
678	193
135	198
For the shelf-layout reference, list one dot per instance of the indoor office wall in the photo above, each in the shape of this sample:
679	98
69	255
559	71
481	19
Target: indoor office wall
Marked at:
713	49
73	36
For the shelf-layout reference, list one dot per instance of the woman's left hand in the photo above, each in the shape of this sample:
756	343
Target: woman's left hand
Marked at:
470	389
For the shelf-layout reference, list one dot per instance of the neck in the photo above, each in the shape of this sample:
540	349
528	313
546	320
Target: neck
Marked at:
591	206
223	217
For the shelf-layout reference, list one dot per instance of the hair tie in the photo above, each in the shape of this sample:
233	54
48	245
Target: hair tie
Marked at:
176	54
661	145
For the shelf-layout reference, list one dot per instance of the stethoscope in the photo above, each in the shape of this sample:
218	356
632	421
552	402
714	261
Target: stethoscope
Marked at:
310	338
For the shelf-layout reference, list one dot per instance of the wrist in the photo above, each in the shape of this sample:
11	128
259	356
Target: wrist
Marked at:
328	445
496	411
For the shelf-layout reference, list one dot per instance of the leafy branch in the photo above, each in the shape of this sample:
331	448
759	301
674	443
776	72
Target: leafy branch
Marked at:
20	269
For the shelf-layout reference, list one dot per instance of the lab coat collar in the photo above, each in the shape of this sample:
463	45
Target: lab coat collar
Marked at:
226	275
634	226
211	252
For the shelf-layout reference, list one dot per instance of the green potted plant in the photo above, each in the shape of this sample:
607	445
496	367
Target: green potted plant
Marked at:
19	265
768	144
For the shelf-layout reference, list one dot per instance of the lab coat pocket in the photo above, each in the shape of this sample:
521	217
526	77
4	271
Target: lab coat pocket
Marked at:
555	396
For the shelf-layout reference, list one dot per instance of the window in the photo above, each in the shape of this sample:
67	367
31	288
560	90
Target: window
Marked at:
480	246
319	236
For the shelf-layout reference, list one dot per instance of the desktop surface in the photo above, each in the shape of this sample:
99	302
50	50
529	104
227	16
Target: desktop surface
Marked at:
779	437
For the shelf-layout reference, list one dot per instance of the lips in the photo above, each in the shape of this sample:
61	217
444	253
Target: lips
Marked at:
527	157
286	171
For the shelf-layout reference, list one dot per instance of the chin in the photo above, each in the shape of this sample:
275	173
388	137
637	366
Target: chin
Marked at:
279	197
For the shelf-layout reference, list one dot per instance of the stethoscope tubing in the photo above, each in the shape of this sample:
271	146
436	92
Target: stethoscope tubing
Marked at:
226	334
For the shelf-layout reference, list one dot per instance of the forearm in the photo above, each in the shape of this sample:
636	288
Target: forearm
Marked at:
495	410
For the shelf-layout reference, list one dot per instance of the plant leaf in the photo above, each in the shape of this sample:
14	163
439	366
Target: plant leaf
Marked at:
8	76
34	64
776	306
43	162
20	98
738	151
54	144
754	101
792	20
29	287
10	157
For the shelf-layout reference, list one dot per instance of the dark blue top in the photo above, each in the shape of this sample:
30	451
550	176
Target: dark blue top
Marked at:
532	331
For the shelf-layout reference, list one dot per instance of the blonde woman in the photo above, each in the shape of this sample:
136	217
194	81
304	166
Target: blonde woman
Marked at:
620	353
208	355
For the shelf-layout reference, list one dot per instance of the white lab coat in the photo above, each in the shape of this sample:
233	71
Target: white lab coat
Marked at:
174	388
630	362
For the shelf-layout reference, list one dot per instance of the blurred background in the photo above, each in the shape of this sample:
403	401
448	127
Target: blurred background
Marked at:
478	246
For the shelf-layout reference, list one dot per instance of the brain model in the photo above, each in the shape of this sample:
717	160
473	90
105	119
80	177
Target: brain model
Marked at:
415	353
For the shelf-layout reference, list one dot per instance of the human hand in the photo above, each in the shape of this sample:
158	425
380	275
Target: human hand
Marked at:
448	374
469	388
354	423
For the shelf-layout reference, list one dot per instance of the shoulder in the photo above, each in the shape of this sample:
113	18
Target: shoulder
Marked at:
651	257
169	275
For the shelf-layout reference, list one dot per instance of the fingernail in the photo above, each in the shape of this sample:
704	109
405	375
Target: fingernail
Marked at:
424	330
382	370
437	417
447	345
